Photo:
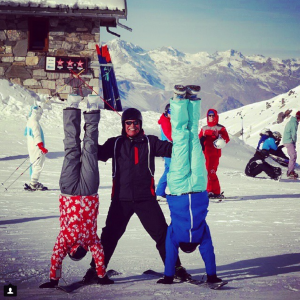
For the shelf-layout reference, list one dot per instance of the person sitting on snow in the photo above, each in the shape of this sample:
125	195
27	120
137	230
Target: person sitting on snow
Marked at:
79	200
166	135
36	147
257	165
187	179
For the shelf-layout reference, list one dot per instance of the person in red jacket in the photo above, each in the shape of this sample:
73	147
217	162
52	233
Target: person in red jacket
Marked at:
166	135
213	137
79	200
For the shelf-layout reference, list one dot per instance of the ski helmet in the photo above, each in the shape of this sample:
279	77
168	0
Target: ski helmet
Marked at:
188	247
167	110
219	143
277	135
265	131
132	114
77	253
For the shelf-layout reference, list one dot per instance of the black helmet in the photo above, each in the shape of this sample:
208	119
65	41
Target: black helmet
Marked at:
132	114
188	247
166	109
78	254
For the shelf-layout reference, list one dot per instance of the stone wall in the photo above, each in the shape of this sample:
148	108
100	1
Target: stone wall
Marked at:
67	37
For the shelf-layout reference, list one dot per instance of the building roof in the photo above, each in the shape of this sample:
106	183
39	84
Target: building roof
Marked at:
109	9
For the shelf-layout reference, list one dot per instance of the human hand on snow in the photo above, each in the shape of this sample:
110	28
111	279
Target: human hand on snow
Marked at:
49	285
42	148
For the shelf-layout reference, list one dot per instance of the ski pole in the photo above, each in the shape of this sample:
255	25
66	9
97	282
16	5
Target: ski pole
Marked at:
22	173
15	170
93	90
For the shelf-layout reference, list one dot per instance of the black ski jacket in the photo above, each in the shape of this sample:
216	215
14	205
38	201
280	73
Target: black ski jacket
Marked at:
133	165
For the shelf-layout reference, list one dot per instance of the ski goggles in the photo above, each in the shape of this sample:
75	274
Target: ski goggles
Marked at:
136	122
169	111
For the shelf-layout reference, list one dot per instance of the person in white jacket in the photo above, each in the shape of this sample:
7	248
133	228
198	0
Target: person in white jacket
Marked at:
36	146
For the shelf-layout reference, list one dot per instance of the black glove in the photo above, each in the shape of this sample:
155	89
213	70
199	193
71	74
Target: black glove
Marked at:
166	280
49	285
105	280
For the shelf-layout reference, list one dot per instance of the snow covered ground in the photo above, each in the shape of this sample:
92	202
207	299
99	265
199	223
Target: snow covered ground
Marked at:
255	231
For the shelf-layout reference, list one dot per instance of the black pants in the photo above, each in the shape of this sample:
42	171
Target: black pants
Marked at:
264	167
119	214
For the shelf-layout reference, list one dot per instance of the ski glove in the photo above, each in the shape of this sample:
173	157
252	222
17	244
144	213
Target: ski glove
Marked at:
166	280
42	148
49	285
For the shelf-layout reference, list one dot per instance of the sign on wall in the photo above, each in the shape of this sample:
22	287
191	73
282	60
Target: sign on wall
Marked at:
63	64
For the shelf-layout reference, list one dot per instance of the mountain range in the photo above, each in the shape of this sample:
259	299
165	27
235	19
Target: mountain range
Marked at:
228	79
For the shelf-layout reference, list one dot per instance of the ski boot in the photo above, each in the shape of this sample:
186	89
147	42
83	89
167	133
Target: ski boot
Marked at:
90	276
179	92
35	187
214	282
73	100
212	195
292	175
93	102
182	274
192	91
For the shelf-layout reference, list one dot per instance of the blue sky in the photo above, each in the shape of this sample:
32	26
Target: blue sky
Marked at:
266	27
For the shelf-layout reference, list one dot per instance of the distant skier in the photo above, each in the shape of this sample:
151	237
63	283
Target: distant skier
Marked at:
36	147
166	135
79	200
213	137
257	165
187	179
289	140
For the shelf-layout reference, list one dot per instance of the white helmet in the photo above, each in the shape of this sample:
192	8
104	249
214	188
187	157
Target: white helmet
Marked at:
265	131
277	135
219	143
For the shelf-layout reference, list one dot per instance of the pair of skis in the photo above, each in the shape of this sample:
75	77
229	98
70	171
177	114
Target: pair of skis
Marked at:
79	284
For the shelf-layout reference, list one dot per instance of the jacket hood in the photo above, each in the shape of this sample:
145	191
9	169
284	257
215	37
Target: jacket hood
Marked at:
216	119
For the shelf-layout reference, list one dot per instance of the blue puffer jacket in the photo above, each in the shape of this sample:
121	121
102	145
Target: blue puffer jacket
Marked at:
269	144
188	213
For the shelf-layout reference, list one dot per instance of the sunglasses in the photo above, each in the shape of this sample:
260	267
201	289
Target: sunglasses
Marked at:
132	122
211	115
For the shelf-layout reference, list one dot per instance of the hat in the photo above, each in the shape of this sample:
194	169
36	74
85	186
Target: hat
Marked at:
298	114
211	112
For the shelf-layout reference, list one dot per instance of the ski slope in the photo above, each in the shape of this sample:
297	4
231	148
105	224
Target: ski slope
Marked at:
255	231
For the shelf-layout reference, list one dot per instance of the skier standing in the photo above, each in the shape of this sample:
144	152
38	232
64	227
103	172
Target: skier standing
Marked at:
187	179
133	192
79	200
36	147
208	138
166	135
289	140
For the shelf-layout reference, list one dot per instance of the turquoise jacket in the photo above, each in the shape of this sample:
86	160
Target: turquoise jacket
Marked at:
290	131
